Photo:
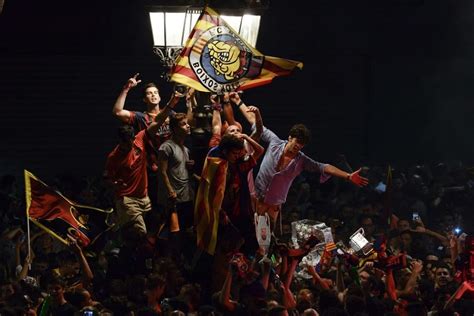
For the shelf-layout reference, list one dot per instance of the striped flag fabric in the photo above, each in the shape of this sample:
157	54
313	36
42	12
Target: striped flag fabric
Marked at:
60	217
209	201
216	59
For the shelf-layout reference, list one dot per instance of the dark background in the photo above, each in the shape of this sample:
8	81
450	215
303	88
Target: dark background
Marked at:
385	81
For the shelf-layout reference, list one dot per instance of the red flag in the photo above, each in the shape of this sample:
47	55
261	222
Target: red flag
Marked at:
59	216
216	59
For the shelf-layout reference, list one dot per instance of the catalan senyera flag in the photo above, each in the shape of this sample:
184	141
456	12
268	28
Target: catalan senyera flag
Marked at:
216	59
209	201
60	217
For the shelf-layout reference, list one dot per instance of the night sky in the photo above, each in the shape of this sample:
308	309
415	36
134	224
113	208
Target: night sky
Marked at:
382	83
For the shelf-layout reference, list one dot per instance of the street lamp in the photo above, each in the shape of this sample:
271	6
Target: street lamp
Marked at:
171	26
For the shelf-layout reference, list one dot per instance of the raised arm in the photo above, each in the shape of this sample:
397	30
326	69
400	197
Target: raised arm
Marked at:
161	117
250	116
191	103
258	122
258	149
224	297
118	110
216	116
87	275
227	108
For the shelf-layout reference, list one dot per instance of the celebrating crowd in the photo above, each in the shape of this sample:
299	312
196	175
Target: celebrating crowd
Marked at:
220	241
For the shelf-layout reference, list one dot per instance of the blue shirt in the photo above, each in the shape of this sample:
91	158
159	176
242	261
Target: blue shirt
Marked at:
273	185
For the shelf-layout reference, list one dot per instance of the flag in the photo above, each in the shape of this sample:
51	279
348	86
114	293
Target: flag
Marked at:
209	201
216	59
59	216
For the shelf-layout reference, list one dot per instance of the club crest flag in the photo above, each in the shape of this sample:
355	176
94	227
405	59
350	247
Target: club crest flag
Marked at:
60	217
216	59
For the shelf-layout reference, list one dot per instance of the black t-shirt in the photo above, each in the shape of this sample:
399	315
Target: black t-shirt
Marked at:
63	310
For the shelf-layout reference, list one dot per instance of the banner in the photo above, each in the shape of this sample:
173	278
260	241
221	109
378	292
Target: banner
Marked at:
216	59
59	216
209	201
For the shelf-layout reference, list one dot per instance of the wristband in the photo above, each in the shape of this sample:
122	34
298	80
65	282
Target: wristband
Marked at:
240	103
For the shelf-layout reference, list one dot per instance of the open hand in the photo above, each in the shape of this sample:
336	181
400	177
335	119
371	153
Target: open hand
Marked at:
357	179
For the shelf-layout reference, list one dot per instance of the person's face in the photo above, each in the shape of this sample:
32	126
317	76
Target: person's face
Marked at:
87	300
406	240
294	145
56	291
403	225
183	128
442	276
305	295
70	269
46	244
364	277
6	291
40	267
233	129
152	97
233	155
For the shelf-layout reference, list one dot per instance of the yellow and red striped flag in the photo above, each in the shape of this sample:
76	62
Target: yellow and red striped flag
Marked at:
209	201
216	59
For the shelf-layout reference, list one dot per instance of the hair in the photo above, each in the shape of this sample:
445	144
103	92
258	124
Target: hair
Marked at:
126	133
149	85
277	310
442	265
300	132
229	142
175	119
54	279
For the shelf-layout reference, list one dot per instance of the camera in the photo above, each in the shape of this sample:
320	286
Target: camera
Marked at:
240	263
416	216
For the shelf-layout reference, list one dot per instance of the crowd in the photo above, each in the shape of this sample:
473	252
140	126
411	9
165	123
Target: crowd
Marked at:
184	242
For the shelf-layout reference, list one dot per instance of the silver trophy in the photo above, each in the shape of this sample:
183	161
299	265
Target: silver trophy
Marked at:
303	230
359	243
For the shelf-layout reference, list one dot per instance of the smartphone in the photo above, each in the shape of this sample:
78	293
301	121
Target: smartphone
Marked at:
88	313
457	231
416	216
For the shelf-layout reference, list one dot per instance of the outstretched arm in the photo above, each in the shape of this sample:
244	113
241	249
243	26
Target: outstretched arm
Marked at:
118	110
353	177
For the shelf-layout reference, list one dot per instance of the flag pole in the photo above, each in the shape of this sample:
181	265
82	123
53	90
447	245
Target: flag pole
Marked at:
28	194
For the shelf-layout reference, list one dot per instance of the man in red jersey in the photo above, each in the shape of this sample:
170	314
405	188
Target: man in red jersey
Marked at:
126	170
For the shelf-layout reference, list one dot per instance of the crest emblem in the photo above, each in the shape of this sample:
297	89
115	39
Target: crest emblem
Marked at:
222	61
